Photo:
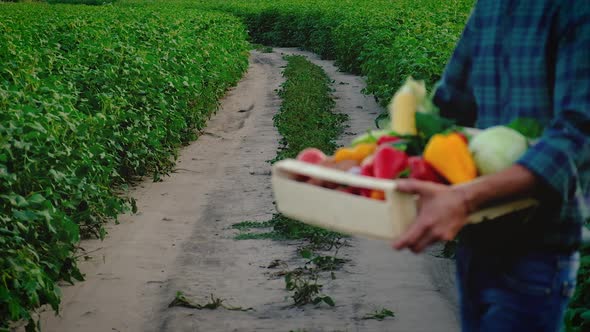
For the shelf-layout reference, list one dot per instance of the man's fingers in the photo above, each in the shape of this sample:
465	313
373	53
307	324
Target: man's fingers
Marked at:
432	235
411	186
426	240
410	237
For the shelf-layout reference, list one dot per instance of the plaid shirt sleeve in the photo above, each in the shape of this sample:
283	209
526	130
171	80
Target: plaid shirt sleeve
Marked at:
453	96
562	156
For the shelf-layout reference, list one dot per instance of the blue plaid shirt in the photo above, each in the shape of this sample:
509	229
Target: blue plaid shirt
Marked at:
531	58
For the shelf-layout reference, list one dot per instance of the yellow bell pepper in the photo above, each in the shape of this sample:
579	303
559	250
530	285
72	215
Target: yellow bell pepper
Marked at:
450	156
343	154
358	153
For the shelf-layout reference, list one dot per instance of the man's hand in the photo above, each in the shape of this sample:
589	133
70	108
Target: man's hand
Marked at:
442	212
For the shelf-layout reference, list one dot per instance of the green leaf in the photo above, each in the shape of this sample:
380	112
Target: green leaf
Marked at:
306	253
382	121
37	126
26	215
412	145
400	145
528	127
379	314
404	174
328	300
430	124
102	232
4	294
133	205
16	200
14	308
36	199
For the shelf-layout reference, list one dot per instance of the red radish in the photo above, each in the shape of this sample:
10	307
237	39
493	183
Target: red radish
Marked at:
389	162
387	139
420	169
311	155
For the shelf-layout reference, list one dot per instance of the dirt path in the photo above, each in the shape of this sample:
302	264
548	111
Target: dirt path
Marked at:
181	240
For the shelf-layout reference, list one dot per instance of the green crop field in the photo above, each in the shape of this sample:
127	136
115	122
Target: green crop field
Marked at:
94	97
90	99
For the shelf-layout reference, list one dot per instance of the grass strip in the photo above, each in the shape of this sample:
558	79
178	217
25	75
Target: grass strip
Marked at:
304	120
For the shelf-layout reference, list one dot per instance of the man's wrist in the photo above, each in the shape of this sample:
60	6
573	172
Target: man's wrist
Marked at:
512	182
467	199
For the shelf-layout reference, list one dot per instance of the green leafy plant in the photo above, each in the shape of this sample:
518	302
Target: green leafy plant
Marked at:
320	262
306	290
82	2
577	316
92	98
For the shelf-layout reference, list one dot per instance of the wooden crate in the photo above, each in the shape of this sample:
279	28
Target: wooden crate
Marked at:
352	214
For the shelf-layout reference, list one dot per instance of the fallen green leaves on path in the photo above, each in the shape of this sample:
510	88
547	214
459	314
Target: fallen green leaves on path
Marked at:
180	300
379	314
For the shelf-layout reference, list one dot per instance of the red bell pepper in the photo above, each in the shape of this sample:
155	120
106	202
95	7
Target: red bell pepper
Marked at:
367	170
389	162
387	139
420	169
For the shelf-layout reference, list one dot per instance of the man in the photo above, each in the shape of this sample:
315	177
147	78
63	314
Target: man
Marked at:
527	58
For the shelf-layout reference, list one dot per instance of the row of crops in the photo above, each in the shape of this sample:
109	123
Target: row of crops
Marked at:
92	98
384	41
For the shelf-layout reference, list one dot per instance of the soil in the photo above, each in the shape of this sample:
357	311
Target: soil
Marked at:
182	240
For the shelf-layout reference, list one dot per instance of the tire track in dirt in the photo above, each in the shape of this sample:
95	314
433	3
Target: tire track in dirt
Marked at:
181	241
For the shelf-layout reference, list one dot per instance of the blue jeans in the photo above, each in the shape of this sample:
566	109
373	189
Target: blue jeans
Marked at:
514	293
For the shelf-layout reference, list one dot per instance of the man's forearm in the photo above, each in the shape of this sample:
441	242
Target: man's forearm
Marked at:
513	181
